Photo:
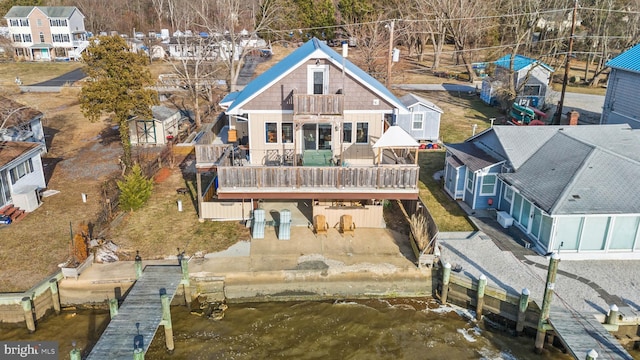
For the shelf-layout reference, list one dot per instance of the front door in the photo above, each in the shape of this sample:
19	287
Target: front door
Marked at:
5	196
317	136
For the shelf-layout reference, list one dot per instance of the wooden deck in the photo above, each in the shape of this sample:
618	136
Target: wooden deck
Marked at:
141	306
581	333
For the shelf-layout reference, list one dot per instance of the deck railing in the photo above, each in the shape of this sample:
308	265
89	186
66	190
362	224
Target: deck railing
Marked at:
289	177
304	104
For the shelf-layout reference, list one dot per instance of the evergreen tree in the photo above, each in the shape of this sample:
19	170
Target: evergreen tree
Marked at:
135	190
119	84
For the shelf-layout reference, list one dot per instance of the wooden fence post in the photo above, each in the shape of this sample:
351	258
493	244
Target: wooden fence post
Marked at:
113	307
546	302
482	284
55	297
166	321
28	314
522	310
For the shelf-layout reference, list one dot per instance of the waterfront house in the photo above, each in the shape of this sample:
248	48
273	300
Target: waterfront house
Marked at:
46	33
306	129
19	122
621	101
21	174
568	188
531	78
424	121
165	126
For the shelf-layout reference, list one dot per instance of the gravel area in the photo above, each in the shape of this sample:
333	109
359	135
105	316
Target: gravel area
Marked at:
479	255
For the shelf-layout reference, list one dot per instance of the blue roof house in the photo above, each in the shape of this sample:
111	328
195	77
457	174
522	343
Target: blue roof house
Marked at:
568	188
531	78
621	101
306	129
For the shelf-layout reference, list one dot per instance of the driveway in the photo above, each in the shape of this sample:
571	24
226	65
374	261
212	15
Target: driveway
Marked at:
55	84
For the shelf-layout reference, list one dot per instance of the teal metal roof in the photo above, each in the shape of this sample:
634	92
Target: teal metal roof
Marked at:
312	48
628	60
50	11
519	62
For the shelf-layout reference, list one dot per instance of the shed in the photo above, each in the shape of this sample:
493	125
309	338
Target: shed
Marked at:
423	123
164	126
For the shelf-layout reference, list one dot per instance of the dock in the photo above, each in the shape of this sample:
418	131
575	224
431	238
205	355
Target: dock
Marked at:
581	333
139	316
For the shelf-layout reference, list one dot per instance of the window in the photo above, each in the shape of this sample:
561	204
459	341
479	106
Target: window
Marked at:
17	38
27	38
39	22
347	132
470	180
317	79
24	22
14	22
271	132
488	186
362	133
508	193
58	22
41	37
318	82
60	38
531	90
21	170
418	121
287	132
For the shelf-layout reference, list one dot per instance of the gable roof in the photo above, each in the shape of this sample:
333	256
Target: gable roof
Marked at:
14	151
565	170
16	113
472	156
396	137
313	48
50	11
410	100
628	60
520	62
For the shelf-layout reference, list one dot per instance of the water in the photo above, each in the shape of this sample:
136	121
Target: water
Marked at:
368	329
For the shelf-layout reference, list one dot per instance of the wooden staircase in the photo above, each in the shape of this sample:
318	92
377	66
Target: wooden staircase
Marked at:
14	213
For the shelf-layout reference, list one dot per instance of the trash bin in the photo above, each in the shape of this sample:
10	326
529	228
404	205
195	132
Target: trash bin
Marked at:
257	228
284	229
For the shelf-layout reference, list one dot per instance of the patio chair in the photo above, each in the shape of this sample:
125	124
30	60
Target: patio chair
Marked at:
347	226
320	225
272	158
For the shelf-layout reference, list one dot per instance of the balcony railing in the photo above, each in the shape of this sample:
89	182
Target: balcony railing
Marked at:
318	104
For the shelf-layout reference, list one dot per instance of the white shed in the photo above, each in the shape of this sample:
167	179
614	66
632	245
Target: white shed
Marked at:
164	126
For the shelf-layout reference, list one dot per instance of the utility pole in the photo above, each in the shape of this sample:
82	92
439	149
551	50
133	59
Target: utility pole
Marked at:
567	66
390	54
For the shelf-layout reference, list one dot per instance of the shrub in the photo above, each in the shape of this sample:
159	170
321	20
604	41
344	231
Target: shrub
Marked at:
135	190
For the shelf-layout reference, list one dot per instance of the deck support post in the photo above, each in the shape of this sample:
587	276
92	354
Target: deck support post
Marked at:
446	275
113	307
592	355
55	297
546	302
184	264
522	310
166	321
482	284
612	317
28	314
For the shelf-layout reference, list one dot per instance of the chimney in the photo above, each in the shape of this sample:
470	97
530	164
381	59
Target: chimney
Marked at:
573	116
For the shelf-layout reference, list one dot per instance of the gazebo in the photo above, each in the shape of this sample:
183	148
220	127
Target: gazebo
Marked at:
396	138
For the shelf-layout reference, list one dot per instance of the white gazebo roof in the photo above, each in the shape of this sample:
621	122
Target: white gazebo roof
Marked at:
396	137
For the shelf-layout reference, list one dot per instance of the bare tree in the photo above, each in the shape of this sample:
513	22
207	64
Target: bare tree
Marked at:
159	7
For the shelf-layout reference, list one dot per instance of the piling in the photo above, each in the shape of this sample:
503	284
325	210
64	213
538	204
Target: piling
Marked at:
184	264
482	284
138	264
75	354
592	355
113	307
546	302
612	317
55	297
522	310
166	321
28	314
446	275
138	354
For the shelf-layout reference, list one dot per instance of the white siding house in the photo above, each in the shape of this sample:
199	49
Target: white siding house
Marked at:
424	121
21	174
621	104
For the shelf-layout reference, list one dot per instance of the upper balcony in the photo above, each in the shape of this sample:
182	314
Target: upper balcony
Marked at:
305	104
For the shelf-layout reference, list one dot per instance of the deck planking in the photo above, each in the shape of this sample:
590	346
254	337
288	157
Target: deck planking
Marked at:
143	306
582	332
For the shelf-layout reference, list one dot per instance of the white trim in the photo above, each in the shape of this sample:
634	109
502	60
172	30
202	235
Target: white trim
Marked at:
495	185
311	71
413	120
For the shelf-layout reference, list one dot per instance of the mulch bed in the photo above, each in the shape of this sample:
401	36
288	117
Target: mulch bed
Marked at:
162	175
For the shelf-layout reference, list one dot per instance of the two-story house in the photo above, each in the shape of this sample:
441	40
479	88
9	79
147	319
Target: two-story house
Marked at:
572	189
45	33
531	79
311	127
621	102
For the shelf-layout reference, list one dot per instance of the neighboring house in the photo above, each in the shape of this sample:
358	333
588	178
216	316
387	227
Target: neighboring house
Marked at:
621	104
45	33
19	122
198	47
21	174
569	188
424	121
307	129
531	78
165	125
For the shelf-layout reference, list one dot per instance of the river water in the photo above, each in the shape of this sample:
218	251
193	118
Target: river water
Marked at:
363	329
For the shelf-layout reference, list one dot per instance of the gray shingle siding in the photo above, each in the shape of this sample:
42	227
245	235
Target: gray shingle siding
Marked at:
621	105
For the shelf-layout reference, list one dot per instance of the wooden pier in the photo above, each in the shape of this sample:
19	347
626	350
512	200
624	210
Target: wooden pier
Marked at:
139	316
581	333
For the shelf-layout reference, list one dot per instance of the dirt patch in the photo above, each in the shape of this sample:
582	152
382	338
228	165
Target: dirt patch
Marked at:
162	175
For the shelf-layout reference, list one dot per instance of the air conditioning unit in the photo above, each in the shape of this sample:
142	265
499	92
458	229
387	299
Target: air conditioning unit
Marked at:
27	200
